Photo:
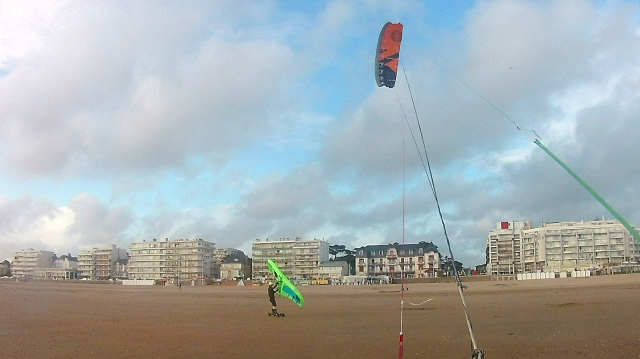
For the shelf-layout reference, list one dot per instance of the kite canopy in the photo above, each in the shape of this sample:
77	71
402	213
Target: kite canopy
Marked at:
287	289
388	54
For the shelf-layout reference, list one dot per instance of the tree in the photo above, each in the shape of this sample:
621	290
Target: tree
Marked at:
348	256
448	268
335	249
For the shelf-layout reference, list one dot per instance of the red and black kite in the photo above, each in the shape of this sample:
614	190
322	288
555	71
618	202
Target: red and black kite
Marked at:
388	54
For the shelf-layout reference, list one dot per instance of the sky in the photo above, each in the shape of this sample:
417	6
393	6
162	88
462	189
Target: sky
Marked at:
239	120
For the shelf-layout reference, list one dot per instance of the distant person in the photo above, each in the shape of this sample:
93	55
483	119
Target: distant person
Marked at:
272	290
180	286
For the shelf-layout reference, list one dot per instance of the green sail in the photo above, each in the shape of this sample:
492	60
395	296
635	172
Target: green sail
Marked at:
287	289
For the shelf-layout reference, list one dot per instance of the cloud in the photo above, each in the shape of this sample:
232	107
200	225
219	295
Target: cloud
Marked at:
84	223
92	101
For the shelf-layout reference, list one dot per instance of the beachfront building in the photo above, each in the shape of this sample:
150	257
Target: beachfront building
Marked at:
66	261
421	260
121	268
64	267
504	248
578	245
98	263
235	266
55	273
24	262
219	255
333	271
298	258
172	261
518	247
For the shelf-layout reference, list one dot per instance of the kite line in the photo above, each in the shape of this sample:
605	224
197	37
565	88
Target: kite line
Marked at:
386	67
476	352
538	142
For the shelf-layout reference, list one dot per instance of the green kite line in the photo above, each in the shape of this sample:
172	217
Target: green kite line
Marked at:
595	194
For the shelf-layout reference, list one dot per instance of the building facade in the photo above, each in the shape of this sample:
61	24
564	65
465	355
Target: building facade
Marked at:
333	271
504	248
421	260
55	273
121	268
172	261
99	263
24	263
219	255
235	266
578	245
559	246
298	259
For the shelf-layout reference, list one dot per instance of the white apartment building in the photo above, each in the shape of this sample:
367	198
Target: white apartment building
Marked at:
172	261
504	248
297	258
517	247
24	262
421	260
577	245
99	262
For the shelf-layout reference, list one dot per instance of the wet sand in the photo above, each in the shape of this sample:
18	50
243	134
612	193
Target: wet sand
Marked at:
594	317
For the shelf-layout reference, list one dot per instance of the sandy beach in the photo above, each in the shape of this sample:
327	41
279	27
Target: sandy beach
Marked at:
594	317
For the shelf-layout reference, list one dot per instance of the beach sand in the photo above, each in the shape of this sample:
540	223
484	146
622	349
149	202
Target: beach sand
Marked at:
595	317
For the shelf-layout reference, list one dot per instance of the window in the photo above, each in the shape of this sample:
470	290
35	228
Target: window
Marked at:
420	251
360	252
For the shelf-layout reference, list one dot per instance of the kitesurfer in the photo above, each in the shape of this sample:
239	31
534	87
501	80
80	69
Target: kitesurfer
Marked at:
273	289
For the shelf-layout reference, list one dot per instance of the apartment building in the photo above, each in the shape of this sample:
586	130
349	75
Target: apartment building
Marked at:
24	262
577	245
504	248
419	260
518	247
298	259
98	263
172	260
235	266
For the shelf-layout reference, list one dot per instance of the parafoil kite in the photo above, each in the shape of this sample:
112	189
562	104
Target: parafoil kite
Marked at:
287	289
388	54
